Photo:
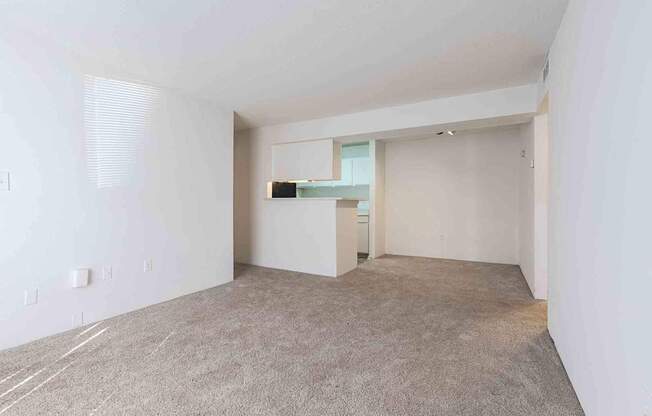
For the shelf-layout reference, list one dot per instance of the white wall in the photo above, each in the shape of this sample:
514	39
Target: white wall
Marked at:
600	204
533	206
377	232
526	206
454	197
541	203
241	194
500	104
155	185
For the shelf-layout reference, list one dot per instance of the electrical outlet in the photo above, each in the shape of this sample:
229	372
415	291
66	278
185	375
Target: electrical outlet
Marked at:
107	273
80	278
78	320
147	265
31	297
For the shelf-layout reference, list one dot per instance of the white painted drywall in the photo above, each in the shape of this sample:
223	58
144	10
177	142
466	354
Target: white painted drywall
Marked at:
158	186
541	204
255	244
346	217
403	119
533	205
526	206
454	197
241	205
600	88
377	246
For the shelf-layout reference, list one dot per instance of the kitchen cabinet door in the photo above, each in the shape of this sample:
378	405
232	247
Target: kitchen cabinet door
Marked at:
314	160
361	171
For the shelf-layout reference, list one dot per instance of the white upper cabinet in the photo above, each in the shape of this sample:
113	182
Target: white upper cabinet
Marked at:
355	167
314	160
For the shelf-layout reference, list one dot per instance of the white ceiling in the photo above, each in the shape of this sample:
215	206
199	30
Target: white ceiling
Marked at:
275	61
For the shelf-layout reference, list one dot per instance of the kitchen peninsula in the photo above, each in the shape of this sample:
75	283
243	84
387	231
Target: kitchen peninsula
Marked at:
310	235
313	235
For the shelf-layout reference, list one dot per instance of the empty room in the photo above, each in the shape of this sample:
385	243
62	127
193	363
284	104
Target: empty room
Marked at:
325	207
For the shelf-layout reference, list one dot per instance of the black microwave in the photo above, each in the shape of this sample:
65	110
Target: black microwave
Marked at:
284	190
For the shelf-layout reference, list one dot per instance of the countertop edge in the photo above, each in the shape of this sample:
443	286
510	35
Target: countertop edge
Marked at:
312	199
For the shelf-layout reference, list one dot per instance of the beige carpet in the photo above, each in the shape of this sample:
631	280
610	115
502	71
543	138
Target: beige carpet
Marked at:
398	336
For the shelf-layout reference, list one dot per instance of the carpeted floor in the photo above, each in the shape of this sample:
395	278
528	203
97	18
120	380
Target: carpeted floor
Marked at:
397	336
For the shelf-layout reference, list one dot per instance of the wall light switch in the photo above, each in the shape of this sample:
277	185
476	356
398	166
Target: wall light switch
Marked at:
31	297
532	164
4	181
147	265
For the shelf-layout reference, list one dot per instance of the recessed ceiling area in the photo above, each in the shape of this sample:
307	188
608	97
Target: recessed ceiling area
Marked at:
288	60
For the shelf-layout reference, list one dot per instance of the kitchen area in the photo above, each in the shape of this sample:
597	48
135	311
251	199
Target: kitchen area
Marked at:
319	201
353	184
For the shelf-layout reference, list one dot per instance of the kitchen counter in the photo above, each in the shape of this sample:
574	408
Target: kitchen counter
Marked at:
312	235
313	199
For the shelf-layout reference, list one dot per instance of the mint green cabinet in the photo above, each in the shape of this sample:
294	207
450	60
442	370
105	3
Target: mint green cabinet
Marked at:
361	168
347	174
